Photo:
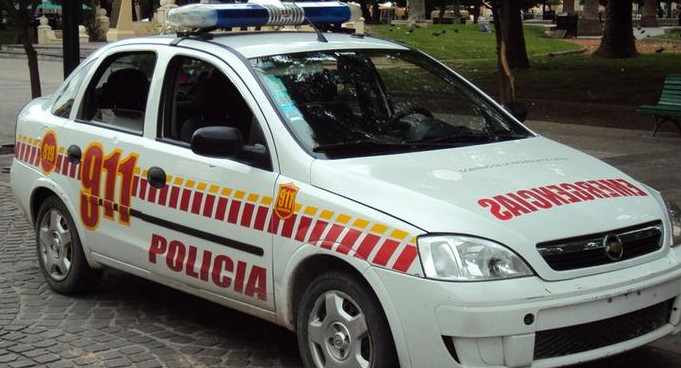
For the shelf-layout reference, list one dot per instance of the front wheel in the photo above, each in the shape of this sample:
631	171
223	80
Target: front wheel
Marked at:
60	254
341	324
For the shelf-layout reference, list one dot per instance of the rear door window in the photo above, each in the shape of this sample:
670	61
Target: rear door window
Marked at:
117	96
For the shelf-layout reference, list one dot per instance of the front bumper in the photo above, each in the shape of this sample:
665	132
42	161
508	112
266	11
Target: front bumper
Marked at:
495	324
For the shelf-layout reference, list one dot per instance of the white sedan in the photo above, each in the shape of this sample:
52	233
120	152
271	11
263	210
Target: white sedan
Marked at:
351	189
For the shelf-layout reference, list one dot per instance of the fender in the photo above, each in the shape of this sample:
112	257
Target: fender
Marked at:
284	294
47	183
391	315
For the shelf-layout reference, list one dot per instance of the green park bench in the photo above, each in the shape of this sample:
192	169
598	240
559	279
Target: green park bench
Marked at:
668	108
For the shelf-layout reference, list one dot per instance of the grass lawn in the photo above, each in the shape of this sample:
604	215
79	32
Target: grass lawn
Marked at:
572	78
465	41
670	36
582	78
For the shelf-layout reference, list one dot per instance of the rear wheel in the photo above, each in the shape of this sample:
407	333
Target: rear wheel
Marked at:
60	254
341	324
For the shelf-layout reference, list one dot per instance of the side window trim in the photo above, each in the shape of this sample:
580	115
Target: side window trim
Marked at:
173	142
85	68
110	127
164	107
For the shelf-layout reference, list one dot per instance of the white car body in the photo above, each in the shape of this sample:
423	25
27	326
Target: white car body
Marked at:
216	231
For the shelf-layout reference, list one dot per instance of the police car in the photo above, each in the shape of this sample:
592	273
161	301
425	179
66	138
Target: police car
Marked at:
351	189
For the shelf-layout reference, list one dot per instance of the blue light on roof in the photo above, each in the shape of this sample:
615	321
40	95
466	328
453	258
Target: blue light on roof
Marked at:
262	13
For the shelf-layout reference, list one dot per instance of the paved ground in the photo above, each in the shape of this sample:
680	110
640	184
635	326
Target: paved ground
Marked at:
130	322
15	90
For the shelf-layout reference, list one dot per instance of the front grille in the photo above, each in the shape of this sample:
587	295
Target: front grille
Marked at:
590	250
594	335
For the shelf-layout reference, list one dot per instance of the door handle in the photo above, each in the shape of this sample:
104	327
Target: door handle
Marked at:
156	177
74	154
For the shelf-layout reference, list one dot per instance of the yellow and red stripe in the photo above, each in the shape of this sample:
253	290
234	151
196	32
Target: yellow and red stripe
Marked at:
341	233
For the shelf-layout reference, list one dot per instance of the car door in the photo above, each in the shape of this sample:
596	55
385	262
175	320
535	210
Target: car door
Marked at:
207	217
101	149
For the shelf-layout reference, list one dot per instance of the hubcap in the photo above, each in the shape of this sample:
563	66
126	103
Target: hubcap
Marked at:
55	245
339	342
337	332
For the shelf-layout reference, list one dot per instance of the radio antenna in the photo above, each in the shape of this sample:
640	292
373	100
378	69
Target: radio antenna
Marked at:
320	35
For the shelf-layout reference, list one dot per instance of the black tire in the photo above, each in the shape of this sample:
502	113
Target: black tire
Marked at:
60	254
325	334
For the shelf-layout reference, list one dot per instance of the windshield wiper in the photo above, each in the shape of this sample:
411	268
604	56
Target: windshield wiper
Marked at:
510	136
378	146
454	139
359	145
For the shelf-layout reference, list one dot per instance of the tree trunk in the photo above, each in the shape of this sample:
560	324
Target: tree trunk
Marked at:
33	70
497	24
511	51
457	9
506	89
591	9
442	4
476	11
618	36
569	6
22	19
366	14
375	13
512	33
417	10
649	17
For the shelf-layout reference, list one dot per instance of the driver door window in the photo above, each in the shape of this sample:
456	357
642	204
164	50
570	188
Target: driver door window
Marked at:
199	95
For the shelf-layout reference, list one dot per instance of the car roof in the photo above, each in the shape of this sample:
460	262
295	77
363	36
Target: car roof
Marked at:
256	44
272	43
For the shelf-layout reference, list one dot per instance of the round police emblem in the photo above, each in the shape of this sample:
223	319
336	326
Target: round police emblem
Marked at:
613	247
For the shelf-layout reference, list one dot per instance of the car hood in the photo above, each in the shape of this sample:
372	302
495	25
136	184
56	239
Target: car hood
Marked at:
518	192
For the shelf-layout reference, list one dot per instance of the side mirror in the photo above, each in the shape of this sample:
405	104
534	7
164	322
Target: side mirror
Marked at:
516	109
217	141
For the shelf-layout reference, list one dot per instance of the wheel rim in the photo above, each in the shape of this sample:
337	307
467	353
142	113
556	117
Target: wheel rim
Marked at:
55	245
337	332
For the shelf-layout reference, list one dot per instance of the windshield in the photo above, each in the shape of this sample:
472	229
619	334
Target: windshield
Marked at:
371	102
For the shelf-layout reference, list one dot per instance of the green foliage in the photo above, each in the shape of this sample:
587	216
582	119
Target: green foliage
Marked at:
669	36
466	41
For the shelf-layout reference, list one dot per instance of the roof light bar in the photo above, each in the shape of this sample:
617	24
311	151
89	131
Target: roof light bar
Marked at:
262	13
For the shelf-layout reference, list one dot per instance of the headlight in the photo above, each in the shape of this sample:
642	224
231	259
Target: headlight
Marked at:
675	219
464	258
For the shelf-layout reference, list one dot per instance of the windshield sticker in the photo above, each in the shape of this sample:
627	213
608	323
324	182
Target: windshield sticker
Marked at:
512	163
526	201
